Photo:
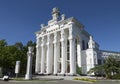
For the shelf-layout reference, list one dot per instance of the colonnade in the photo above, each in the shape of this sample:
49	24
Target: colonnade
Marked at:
52	56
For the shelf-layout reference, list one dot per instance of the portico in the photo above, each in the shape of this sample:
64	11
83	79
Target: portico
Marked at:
58	46
54	53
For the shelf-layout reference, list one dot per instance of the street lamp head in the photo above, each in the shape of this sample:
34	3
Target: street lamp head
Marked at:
30	49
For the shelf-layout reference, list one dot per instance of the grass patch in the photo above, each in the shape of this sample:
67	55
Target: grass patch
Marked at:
85	79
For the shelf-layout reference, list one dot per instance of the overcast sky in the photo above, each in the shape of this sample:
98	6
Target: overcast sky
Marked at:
20	19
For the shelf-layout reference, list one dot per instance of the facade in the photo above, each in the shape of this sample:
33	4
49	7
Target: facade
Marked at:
63	45
105	54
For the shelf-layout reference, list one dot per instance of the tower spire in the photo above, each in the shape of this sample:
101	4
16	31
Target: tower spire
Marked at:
55	13
91	43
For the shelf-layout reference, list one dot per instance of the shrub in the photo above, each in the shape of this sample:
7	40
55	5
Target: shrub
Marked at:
79	70
85	79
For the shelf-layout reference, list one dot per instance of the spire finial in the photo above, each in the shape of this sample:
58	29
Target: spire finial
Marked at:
91	38
55	13
63	17
91	42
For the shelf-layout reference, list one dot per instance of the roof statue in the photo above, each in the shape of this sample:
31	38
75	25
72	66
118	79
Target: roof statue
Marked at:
55	13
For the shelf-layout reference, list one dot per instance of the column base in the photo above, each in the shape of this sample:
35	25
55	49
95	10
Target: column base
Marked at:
48	74
41	74
66	74
55	74
28	76
61	74
37	72
69	74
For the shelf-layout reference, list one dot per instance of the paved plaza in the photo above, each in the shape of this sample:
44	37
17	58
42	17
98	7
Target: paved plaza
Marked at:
58	82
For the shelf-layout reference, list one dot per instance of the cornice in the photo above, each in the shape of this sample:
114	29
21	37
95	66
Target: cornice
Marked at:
110	51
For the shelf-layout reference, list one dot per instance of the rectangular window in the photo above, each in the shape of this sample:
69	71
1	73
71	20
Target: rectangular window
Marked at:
68	57
60	49
83	44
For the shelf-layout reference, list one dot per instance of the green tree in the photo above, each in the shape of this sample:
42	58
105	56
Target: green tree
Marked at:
30	43
10	54
97	70
111	68
19	45
3	43
8	57
79	70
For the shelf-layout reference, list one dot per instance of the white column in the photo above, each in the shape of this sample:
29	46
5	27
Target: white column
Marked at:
29	63
48	55
58	66
79	53
56	53
65	54
43	56
63	64
72	53
38	56
52	57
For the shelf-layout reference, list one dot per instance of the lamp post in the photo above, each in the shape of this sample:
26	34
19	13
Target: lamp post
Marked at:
30	54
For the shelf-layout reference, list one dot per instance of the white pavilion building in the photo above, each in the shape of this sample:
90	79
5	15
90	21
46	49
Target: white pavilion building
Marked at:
63	45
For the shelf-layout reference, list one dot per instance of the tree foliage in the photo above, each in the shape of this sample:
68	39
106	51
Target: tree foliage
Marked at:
3	43
79	70
9	54
111	68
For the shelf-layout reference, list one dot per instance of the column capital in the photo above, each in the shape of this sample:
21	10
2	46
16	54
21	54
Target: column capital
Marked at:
62	35
62	40
71	37
48	38
38	46
55	38
30	54
55	42
55	35
43	38
43	44
48	43
37	38
70	31
43	41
